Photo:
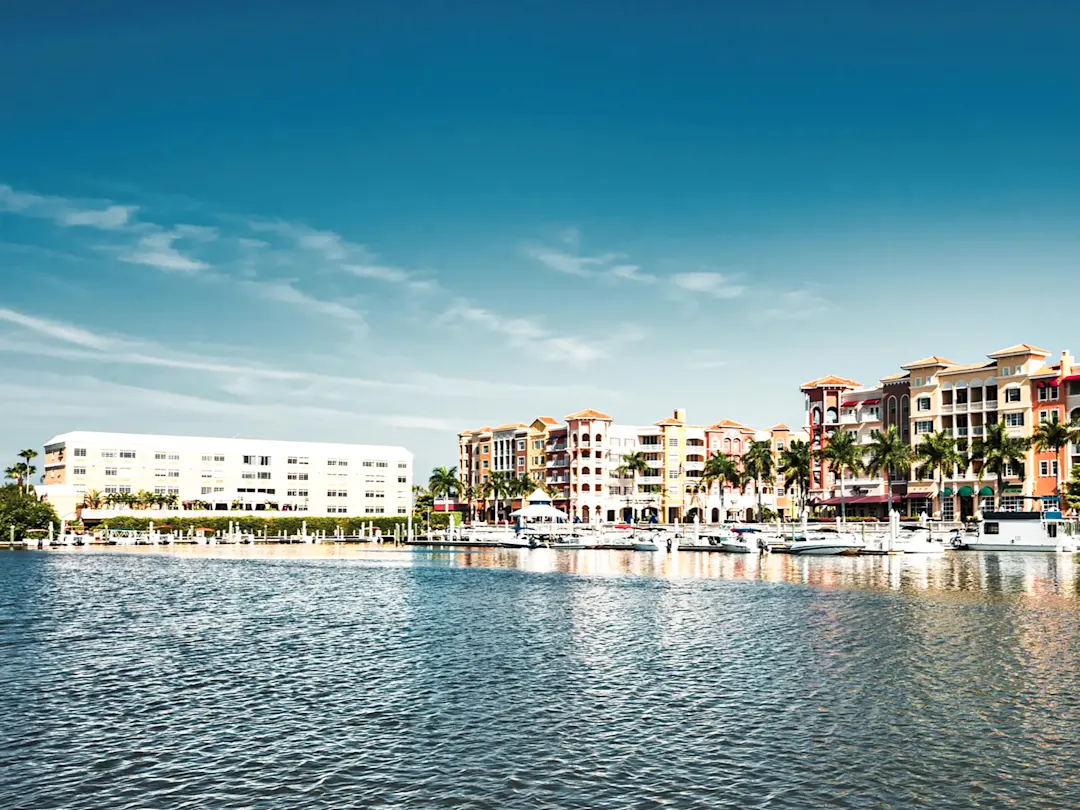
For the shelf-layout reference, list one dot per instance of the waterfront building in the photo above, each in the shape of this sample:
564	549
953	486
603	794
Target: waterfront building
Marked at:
228	475
1016	386
583	461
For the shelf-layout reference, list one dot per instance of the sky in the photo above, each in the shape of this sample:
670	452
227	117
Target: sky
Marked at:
387	222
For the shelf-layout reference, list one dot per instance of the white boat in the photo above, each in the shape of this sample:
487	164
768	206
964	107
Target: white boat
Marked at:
645	545
918	540
743	541
1023	531
826	542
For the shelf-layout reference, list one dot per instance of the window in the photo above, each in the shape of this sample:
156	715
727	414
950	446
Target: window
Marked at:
924	426
485	464
207	474
337	462
538	444
1048	469
374	493
110	471
129	454
375	510
1004	372
160	456
336	493
264	476
174	473
108	454
521	462
214	458
161	473
298	460
382	464
79	452
672	442
1014	470
261	461
1049	416
779	492
403	465
673	474
297	493
991	528
1014	419
922	404
78	470
521	444
295	476
206	490
337	510
991	393
918	382
948	510
485	448
401	479
1012	394
403	510
249	476
1019	370
1048	394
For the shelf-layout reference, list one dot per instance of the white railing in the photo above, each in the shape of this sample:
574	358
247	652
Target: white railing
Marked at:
944	409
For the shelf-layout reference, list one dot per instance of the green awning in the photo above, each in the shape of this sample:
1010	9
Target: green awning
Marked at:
965	492
947	493
987	491
1010	488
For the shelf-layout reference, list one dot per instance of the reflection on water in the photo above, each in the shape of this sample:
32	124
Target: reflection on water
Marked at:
295	677
1033	574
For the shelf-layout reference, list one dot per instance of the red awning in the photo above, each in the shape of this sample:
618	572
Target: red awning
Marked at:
871	401
849	404
1072	377
917	496
1055	383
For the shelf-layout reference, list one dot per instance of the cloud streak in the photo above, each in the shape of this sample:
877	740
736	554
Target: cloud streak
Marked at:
66	212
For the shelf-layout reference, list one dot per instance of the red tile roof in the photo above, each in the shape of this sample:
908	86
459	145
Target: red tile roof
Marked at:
831	381
589	413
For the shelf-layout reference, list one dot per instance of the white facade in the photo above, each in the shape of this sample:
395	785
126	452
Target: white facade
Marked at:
255	475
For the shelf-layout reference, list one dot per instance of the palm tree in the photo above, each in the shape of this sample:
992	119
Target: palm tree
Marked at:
937	454
998	450
497	486
887	455
28	455
1055	436
144	499
759	465
633	465
720	468
92	499
795	466
443	482
841	453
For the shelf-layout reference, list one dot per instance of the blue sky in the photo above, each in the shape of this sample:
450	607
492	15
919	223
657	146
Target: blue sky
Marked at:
384	222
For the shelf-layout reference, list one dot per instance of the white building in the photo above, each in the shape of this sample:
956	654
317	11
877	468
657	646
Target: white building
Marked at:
229	475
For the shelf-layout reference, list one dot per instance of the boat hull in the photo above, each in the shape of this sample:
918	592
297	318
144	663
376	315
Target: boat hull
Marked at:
646	547
823	550
976	545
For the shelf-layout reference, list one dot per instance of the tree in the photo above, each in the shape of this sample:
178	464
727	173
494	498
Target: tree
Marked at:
144	499
759	465
842	453
938	455
633	465
795	467
92	499
443	482
998	450
1054	437
496	487
1072	489
887	455
722	469
422	500
25	511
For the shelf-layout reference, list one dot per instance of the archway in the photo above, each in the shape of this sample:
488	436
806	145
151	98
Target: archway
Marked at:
750	515
692	514
716	514
585	514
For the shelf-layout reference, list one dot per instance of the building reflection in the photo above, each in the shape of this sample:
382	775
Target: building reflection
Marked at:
1030	575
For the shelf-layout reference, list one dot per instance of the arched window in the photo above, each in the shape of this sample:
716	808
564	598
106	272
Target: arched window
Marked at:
599	438
586	471
585	488
831	416
727	445
736	446
815	416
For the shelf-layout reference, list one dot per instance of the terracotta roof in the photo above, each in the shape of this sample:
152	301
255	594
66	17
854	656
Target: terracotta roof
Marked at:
1019	348
903	375
781	426
669	421
831	380
589	413
726	423
511	426
932	360
967	367
547	420
1046	371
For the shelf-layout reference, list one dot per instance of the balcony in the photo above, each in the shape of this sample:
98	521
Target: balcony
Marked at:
944	409
658	462
694	465
977	430
849	418
651	479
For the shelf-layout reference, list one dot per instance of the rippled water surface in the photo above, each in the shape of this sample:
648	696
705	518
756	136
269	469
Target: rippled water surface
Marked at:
331	677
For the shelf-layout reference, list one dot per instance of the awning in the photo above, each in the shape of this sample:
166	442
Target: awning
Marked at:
1012	488
917	496
1071	377
871	401
987	491
948	493
849	404
965	492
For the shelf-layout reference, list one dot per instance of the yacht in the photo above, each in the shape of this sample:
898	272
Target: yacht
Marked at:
826	542
744	541
918	540
1023	531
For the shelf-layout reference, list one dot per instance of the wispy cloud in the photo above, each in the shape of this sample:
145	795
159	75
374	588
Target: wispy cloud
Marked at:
715	284
69	213
285	292
605	266
526	334
804	303
156	250
55	329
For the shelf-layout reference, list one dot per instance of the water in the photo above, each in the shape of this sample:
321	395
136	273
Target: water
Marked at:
324	677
